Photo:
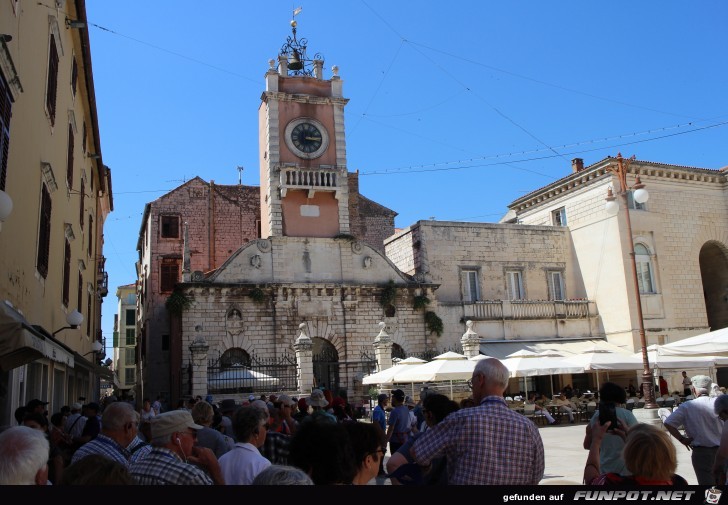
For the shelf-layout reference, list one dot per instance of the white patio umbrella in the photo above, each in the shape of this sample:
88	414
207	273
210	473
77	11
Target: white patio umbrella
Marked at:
707	344
603	359
241	377
445	367
658	360
526	363
387	375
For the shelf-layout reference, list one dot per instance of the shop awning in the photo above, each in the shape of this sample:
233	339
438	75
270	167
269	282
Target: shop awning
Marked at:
21	343
502	348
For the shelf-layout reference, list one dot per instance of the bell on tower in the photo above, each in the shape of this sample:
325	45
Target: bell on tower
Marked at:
294	51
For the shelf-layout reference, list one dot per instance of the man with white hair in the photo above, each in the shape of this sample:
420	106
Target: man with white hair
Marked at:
702	429
489	443
119	425
23	457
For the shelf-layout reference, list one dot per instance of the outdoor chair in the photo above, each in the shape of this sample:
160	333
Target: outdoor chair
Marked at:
530	412
630	404
640	404
669	402
660	401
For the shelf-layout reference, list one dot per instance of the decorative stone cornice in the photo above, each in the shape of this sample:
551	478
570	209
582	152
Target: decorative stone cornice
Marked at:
599	172
300	98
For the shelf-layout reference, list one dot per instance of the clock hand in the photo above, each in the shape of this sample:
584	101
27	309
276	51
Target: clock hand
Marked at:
312	138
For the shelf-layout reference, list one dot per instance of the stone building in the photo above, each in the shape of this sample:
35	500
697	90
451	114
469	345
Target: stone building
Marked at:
125	348
53	180
557	272
307	297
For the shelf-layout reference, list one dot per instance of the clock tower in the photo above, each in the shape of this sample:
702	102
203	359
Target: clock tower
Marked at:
304	187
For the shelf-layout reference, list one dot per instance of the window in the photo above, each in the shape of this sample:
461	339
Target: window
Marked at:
66	272
165	342
130	336
515	285
643	261
169	274
130	317
74	75
52	84
129	375
632	204
69	167
130	355
5	113
556	286
82	195
79	299
471	291
88	315
90	251
558	217
44	233
170	226
83	147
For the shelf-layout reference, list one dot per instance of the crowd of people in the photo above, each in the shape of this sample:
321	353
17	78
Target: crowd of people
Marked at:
318	440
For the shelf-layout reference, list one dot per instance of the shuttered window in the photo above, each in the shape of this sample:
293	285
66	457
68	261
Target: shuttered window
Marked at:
44	233
82	196
74	76
69	168
79	300
66	272
5	113
90	236
169	275
52	85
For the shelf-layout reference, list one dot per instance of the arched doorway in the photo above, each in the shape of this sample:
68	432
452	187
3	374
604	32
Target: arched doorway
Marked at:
714	272
325	364
235	357
398	351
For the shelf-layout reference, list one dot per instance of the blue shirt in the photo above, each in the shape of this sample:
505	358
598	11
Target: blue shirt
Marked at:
378	416
400	419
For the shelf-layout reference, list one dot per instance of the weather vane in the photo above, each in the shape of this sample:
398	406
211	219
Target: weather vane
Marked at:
295	50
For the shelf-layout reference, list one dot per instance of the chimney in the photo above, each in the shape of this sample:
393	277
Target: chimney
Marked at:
577	165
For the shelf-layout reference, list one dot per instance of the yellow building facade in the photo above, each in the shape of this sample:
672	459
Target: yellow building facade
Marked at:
55	194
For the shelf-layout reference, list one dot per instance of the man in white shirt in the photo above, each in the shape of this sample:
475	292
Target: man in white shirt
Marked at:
244	462
703	429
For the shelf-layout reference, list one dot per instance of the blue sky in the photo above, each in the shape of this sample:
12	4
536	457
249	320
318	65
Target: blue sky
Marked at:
457	108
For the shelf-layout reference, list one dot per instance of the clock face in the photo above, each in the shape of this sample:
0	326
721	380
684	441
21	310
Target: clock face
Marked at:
306	138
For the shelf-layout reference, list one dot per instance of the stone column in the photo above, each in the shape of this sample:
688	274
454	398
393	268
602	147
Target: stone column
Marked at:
198	351
470	341
383	349
304	361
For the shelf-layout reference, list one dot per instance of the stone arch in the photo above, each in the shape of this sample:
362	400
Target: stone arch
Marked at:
235	356
713	261
325	364
398	351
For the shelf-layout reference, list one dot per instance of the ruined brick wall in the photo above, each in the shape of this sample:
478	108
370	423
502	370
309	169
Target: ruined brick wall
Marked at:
369	221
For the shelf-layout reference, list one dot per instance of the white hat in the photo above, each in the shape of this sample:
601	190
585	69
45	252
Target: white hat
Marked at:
317	399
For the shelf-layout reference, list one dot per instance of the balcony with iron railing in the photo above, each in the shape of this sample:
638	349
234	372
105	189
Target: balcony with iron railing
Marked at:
103	284
321	178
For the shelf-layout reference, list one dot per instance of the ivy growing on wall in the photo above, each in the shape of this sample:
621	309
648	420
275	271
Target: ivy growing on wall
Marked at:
434	323
177	303
388	295
257	295
420	302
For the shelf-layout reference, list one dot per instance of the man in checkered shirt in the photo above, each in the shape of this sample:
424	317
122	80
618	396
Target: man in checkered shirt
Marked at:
487	444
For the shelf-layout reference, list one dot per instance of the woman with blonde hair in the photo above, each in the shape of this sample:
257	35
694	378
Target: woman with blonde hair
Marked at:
649	455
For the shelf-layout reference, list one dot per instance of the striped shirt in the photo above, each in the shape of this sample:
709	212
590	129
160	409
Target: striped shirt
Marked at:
103	446
487	444
163	467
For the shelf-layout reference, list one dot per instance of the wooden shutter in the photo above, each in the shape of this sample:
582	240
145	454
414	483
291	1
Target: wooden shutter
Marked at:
52	81
5	113
44	233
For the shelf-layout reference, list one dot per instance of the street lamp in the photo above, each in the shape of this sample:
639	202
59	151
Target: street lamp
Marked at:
74	320
640	195
96	346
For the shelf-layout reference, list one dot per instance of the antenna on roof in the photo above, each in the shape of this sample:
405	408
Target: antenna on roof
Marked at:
240	175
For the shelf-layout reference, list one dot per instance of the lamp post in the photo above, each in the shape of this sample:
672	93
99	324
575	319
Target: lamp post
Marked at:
612	207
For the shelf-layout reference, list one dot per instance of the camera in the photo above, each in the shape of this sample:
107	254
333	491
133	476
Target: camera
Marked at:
608	412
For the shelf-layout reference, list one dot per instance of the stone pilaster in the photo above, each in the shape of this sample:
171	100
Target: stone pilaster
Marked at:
383	349
304	361
470	341
198	351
